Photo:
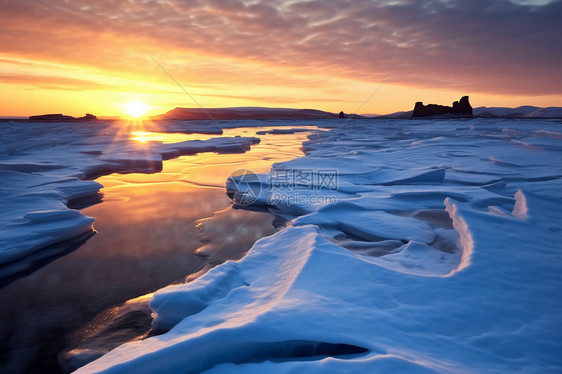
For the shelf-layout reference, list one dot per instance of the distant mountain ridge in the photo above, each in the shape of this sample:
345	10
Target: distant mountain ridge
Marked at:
243	113
526	111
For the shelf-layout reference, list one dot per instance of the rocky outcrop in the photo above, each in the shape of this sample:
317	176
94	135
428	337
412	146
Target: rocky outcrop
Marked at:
88	117
61	118
461	108
52	117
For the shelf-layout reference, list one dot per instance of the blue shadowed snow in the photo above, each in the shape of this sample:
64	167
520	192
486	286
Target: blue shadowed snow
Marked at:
440	253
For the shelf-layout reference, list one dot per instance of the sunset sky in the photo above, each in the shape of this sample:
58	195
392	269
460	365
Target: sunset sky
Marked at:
73	57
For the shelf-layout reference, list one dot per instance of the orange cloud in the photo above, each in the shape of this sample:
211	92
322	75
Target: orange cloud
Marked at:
315	52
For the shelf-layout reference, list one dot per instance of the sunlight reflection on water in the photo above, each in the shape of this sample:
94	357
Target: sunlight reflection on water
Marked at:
146	238
167	138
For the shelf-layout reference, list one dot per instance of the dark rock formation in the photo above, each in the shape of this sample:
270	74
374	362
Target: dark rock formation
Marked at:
61	118
88	117
52	117
460	108
341	115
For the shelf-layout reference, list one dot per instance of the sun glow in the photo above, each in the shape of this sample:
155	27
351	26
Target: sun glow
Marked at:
136	109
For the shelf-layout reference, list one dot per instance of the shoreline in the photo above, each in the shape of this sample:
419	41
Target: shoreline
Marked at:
45	183
66	268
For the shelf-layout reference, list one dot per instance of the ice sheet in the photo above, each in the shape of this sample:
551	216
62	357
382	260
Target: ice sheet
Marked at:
43	167
441	253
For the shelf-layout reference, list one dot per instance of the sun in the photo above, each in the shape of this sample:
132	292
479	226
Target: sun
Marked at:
136	109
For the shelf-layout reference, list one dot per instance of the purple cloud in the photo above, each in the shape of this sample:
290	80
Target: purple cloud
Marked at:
479	45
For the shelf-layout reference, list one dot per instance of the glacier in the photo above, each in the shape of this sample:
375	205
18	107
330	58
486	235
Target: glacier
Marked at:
439	253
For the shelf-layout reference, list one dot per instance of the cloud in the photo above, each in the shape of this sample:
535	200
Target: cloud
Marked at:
494	46
272	100
52	82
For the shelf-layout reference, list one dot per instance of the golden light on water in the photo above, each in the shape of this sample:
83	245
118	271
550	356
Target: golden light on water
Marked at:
141	136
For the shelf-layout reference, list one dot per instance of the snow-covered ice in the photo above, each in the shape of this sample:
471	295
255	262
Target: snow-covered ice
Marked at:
436	250
45	166
440	253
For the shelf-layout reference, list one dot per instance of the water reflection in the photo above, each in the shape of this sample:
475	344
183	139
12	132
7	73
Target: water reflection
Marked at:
23	267
109	329
146	238
145	241
166	138
230	233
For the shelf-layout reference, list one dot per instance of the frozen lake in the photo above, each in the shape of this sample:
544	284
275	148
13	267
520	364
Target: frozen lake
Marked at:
146	236
419	246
